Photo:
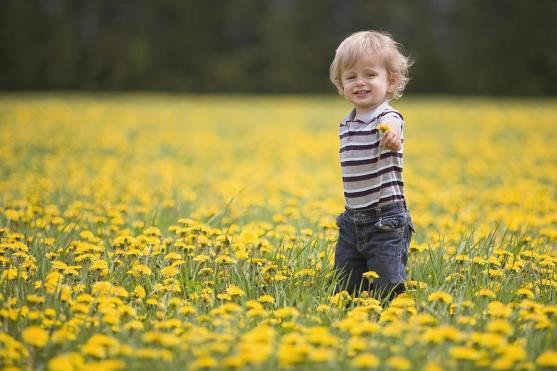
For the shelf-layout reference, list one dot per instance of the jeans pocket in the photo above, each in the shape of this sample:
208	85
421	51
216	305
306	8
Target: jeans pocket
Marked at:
410	224
338	219
392	222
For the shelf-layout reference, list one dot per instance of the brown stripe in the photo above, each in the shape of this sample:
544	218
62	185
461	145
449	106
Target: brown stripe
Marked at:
370	160
374	190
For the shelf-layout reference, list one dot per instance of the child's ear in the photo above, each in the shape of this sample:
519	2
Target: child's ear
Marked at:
392	84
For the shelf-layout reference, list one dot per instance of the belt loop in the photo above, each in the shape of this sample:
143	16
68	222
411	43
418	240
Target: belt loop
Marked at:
378	212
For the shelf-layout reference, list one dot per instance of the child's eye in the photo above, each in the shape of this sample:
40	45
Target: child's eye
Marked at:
371	74
350	77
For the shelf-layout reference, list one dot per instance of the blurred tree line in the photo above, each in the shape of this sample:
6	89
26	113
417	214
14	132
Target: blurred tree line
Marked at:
502	47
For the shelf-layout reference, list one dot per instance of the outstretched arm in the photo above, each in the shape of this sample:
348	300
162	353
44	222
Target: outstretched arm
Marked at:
391	137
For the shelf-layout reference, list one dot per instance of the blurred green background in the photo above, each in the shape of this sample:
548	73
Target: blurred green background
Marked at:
500	47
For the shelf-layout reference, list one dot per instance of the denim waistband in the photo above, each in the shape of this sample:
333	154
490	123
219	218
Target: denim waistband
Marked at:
376	212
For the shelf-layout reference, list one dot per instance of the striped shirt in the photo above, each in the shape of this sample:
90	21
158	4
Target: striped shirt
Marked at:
371	176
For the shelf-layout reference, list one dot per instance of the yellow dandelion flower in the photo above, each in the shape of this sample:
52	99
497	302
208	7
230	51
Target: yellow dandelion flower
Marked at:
498	309
234	290
433	366
365	360
172	256
371	275
464	353
440	296
236	362
35	299
266	299
63	335
169	271
203	240
438	335
307	272
320	335
286	312
53	280
68	361
467	304
34	335
72	270
500	326
9	274
413	284
547	359
100	346
152	231
515	352
201	258
525	293
139	292
206	271
550	310
322	308
399	363
466	320
134	325
279	276
101	288
224	259
503	363
322	354
383	128
485	293
139	269
101	266
203	362
462	258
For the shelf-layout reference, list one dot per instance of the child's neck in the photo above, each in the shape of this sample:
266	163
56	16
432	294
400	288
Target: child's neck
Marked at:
364	114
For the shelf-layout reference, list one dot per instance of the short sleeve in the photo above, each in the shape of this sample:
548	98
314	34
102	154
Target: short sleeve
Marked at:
394	120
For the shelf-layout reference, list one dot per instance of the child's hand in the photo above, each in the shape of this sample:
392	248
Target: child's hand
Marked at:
390	139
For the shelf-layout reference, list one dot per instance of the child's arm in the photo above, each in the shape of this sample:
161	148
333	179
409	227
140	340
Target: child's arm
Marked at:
392	131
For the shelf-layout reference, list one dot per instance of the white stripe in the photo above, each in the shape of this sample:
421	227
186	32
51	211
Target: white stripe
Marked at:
358	206
356	140
383	179
349	174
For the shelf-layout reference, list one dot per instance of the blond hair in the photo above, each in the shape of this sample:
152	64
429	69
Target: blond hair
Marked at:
380	44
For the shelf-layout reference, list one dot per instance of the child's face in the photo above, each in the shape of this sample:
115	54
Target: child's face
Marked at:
366	84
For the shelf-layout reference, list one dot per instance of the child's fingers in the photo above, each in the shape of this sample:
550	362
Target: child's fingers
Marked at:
390	141
387	140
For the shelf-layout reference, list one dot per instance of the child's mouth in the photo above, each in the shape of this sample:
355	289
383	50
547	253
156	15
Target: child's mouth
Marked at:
361	92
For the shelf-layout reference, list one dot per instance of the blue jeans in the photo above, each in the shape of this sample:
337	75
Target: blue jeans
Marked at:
374	239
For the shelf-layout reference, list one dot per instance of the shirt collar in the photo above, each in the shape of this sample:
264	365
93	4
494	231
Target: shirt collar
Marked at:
368	117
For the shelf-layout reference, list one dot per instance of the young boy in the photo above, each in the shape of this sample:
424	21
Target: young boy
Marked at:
375	229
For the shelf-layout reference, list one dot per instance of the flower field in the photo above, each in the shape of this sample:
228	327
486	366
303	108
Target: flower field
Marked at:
182	232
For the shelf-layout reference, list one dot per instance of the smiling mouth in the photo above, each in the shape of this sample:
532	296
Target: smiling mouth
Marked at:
361	92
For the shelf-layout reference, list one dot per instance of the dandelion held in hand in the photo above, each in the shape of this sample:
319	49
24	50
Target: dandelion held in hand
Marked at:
383	128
